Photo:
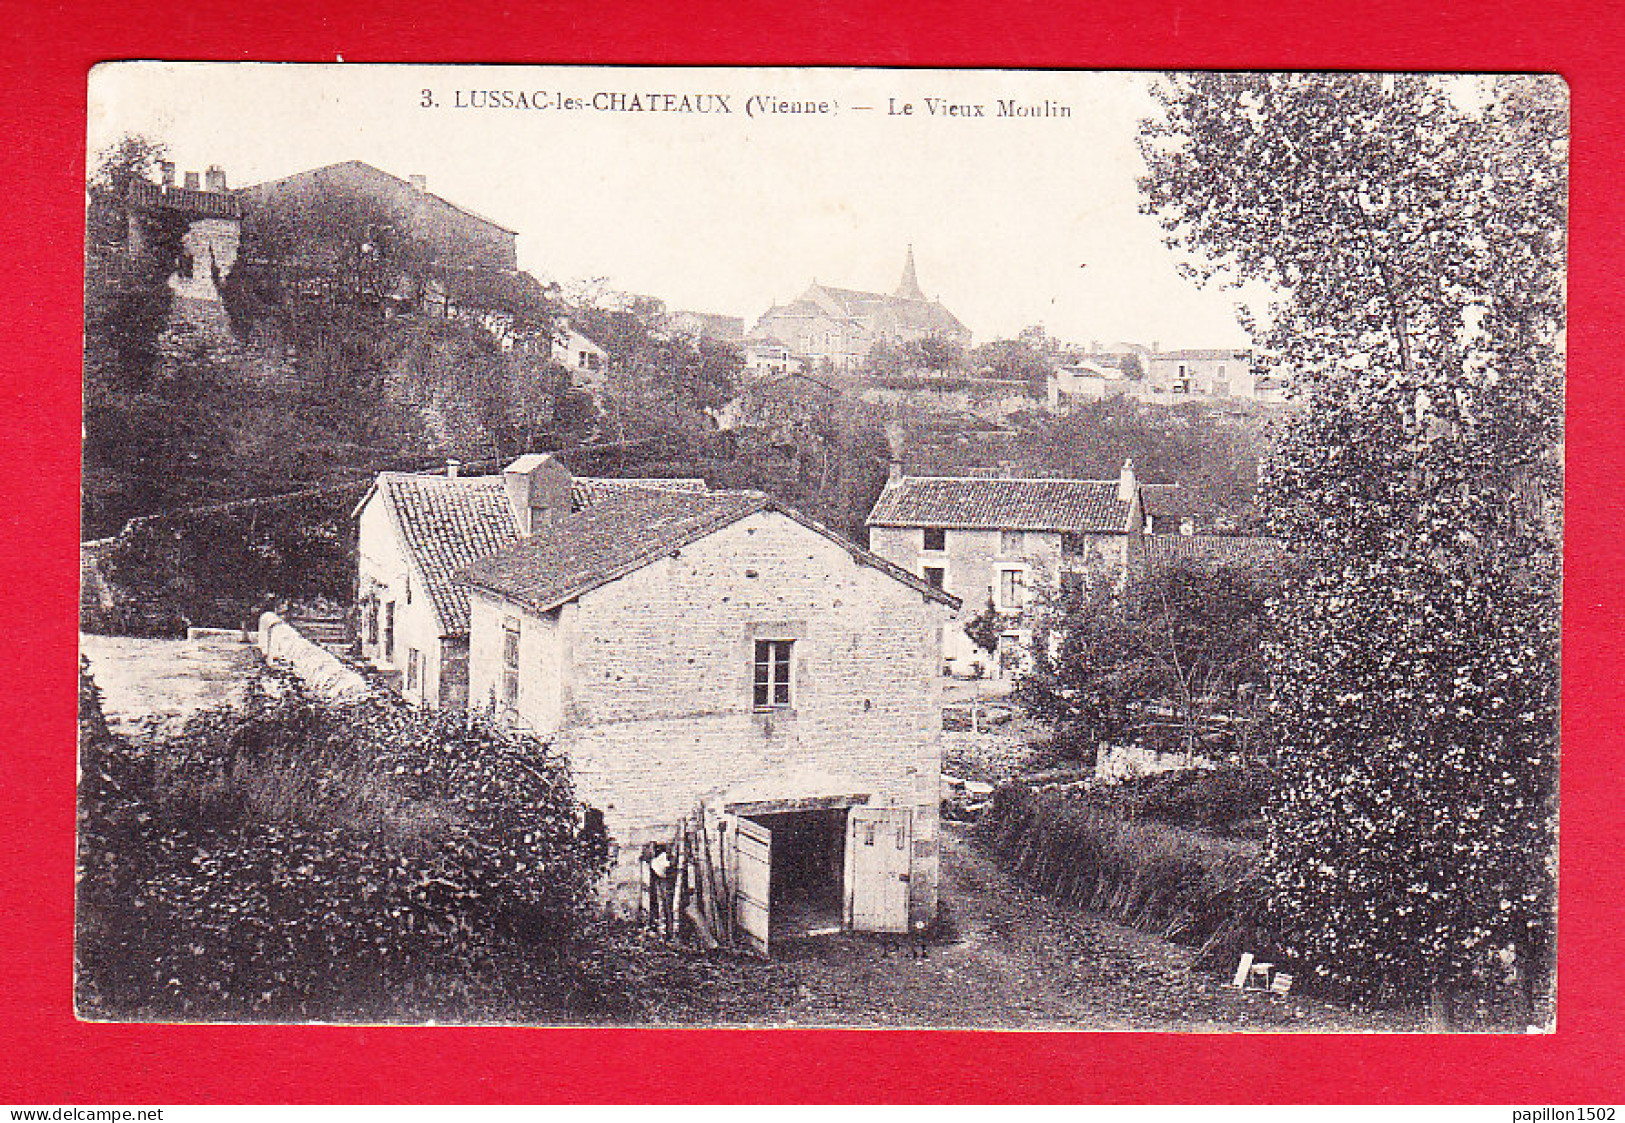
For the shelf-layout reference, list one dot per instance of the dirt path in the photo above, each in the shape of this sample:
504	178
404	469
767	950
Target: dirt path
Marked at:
1015	961
154	685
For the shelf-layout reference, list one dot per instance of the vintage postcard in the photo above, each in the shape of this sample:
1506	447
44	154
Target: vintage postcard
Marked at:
746	547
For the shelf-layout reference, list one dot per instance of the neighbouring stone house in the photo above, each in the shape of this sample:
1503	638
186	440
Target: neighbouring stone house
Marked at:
1200	373
842	325
721	650
416	531
587	362
1082	380
995	540
707	325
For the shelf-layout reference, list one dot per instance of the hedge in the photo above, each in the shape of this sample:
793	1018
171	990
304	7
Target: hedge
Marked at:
298	860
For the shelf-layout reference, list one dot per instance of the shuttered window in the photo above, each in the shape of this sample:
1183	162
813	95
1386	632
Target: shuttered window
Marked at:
510	664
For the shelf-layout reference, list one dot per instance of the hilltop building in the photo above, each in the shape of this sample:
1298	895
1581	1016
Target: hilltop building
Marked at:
842	325
213	231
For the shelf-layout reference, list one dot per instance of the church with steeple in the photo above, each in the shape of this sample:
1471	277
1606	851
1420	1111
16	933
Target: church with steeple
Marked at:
843	325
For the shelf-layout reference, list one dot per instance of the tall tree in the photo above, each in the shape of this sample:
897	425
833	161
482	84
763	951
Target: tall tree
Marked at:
1163	661
1414	229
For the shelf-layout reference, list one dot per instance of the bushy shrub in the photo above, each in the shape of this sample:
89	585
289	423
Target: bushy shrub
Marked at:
1225	801
1183	886
303	860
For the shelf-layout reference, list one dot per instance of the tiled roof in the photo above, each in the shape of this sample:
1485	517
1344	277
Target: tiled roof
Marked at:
447	523
610	539
587	490
1217	549
215	204
1073	506
1204	354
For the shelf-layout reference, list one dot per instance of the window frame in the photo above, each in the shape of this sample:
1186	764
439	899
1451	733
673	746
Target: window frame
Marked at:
510	664
1018	576
773	674
940	572
941	535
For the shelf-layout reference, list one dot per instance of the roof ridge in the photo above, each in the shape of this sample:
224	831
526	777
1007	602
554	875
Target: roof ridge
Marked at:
1013	479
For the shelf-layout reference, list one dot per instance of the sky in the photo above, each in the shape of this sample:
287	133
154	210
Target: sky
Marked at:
1014	220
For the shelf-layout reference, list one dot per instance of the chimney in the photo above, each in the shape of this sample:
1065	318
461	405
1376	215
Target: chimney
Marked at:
894	470
452	468
1187	526
191	181
166	169
1156	347
1125	482
420	183
538	489
215	178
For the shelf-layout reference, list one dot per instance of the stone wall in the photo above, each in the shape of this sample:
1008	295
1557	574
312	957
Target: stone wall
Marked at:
281	643
651	684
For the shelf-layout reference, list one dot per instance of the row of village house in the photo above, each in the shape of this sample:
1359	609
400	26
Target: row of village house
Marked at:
686	647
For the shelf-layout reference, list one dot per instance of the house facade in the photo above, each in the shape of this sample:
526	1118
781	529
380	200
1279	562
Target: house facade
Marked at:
416	531
721	651
842	325
999	541
587	362
1201	373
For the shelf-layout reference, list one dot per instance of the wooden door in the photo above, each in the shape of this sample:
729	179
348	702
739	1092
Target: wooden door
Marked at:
879	842
753	880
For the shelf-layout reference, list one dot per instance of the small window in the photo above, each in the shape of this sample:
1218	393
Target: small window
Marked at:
772	674
414	669
934	576
1012	543
510	663
1074	545
187	266
1012	588
372	621
936	538
389	631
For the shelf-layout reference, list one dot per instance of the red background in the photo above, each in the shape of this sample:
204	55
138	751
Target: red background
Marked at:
51	1058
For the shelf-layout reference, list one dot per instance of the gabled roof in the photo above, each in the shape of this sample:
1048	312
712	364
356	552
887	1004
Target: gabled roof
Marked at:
608	540
1202	354
972	503
1215	549
378	173
588	490
446	523
918	315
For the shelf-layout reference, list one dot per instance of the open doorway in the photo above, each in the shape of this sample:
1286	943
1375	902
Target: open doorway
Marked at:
806	885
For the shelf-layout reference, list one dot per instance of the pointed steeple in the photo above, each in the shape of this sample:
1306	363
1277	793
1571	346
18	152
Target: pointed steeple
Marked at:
909	287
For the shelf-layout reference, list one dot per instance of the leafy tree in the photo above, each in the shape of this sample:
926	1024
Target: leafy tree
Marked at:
933	352
1416	237
1162	660
988	626
1019	360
